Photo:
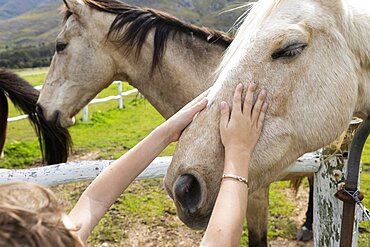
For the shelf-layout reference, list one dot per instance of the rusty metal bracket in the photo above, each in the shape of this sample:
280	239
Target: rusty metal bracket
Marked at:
353	169
349	196
357	196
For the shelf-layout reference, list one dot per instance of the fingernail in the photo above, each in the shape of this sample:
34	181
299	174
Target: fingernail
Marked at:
263	92
223	105
204	100
253	85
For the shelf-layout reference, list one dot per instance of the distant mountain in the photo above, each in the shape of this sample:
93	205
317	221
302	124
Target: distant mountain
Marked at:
34	22
28	28
12	8
24	22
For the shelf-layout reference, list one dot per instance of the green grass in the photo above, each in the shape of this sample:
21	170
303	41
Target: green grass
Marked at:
21	154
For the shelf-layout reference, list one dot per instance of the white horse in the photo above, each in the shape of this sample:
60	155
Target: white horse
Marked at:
313	57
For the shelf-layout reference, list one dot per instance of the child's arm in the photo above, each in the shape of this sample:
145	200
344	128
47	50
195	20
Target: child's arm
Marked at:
109	185
239	133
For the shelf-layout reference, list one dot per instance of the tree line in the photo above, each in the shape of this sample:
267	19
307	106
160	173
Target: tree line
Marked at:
27	57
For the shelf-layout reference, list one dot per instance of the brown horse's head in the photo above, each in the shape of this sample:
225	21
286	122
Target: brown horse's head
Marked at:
313	58
82	65
106	40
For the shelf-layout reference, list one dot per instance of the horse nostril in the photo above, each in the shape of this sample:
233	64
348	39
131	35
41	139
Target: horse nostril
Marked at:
188	193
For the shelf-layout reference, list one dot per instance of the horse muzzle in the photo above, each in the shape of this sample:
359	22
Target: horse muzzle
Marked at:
190	194
55	117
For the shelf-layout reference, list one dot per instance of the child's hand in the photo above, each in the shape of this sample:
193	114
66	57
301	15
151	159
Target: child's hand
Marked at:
241	130
178	122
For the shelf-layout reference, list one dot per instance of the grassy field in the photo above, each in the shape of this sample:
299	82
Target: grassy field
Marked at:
144	215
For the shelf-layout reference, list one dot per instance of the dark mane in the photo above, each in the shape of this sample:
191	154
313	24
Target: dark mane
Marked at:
143	20
55	141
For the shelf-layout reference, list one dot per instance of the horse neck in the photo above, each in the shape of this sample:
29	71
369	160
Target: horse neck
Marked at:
357	32
185	71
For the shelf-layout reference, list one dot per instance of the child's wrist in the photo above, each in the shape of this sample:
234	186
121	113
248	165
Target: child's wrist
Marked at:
238	151
237	168
164	130
237	163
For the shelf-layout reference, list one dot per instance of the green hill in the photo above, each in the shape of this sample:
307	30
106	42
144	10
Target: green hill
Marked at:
12	8
30	24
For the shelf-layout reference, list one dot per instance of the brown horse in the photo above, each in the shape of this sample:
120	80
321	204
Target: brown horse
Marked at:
54	141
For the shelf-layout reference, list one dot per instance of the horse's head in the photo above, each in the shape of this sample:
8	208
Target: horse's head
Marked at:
105	40
299	52
82	65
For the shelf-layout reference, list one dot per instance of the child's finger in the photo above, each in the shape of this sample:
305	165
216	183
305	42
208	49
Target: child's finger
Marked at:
225	115
200	97
258	105
262	116
237	99
248	102
199	105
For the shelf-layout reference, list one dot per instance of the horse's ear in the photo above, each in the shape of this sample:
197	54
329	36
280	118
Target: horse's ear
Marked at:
74	6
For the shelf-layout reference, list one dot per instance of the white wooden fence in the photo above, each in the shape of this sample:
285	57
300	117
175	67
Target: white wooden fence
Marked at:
85	111
88	170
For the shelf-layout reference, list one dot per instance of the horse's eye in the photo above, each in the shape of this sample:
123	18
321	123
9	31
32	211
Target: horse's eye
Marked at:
289	51
60	47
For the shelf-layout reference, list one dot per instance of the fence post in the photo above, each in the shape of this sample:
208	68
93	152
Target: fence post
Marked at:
85	114
327	208
120	100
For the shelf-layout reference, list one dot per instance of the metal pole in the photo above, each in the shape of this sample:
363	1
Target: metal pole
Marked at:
354	159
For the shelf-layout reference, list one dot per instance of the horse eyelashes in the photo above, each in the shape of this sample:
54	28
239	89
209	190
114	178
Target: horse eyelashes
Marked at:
289	51
60	47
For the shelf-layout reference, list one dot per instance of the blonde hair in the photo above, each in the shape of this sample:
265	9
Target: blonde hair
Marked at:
30	215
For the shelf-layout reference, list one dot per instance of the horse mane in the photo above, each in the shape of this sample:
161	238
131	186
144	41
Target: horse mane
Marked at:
143	20
55	141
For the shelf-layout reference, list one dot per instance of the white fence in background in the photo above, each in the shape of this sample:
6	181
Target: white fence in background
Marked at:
85	111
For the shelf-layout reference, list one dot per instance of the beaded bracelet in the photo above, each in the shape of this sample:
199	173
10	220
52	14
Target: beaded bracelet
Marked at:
238	178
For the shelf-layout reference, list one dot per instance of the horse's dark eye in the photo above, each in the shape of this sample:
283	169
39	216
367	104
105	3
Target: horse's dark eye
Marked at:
60	47
289	51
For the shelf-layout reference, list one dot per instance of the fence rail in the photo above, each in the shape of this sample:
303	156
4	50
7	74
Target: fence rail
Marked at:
88	170
85	112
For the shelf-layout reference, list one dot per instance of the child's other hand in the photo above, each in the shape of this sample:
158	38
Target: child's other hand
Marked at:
241	130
